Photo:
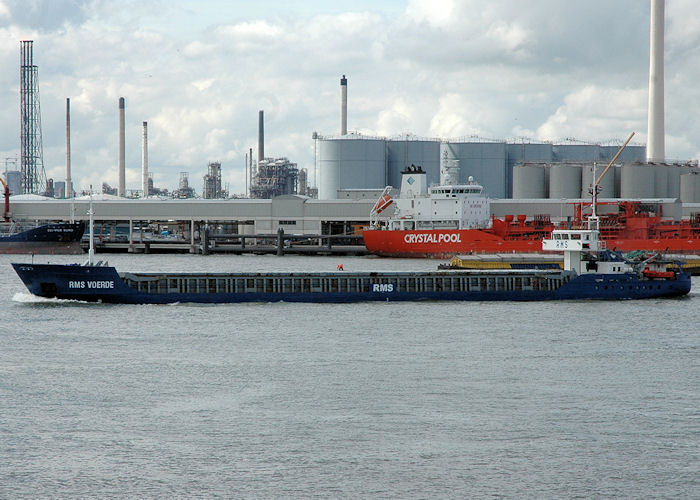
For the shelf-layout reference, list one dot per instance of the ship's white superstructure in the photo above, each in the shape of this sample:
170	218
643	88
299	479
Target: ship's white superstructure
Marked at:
454	206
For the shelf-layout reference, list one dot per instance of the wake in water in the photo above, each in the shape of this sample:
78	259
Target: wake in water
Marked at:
28	298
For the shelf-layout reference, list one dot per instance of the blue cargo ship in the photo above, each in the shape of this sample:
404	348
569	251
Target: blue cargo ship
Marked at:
105	284
56	238
590	272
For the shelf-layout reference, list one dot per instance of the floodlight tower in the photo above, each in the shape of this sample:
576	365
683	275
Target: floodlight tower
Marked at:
33	178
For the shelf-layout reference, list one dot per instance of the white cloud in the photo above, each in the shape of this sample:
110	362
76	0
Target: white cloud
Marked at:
595	113
399	116
449	68
454	118
510	36
436	13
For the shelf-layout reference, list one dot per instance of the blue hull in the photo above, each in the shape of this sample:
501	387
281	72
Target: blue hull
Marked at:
104	284
62	237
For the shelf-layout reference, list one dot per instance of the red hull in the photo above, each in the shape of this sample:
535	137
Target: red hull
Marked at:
634	227
445	243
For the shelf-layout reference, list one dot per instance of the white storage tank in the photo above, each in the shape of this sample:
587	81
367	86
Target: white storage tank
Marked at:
529	181
402	153
485	161
565	181
607	183
350	163
674	179
637	181
690	187
661	181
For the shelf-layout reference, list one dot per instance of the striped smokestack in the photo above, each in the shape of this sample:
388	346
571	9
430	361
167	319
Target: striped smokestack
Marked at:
121	189
656	150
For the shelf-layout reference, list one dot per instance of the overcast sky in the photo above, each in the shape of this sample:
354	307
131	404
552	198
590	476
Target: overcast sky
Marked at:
199	71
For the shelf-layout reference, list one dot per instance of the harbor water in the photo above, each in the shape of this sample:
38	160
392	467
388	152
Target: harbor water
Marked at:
373	400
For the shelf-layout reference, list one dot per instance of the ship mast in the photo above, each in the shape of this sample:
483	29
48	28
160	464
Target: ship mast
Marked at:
91	251
593	221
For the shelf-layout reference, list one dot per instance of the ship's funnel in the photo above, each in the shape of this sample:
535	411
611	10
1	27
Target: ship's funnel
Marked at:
655	135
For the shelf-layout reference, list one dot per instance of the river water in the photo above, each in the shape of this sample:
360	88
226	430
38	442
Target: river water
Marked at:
374	400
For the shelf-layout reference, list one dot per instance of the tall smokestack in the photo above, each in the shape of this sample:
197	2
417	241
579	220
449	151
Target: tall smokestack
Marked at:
121	189
144	161
343	106
261	136
250	166
68	191
655	134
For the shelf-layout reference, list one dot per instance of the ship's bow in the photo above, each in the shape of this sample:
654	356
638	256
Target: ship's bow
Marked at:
91	283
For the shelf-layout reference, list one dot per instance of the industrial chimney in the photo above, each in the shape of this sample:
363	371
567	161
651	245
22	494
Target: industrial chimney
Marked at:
343	106
655	135
121	189
144	161
68	191
261	136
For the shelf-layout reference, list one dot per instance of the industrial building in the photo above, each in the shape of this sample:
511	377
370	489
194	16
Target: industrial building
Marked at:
212	182
359	162
627	180
274	177
295	214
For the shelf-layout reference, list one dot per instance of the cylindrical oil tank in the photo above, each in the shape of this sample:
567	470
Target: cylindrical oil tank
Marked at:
607	183
350	163
690	188
485	161
402	153
674	179
565	181
661	181
637	181
528	181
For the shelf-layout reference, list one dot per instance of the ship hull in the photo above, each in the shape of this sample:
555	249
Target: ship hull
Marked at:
446	243
105	284
58	238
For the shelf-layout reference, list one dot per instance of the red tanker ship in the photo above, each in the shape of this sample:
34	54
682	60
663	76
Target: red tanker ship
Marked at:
446	220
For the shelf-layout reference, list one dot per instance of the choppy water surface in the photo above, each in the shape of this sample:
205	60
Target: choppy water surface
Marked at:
556	399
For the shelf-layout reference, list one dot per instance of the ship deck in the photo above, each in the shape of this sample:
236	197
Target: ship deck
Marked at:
449	281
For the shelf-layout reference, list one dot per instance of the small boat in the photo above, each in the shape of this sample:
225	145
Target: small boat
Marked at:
657	274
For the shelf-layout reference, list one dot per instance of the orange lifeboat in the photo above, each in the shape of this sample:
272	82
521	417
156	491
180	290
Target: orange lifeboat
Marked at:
383	203
654	274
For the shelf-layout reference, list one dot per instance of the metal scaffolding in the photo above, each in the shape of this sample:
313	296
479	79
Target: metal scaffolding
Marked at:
274	177
212	182
32	158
